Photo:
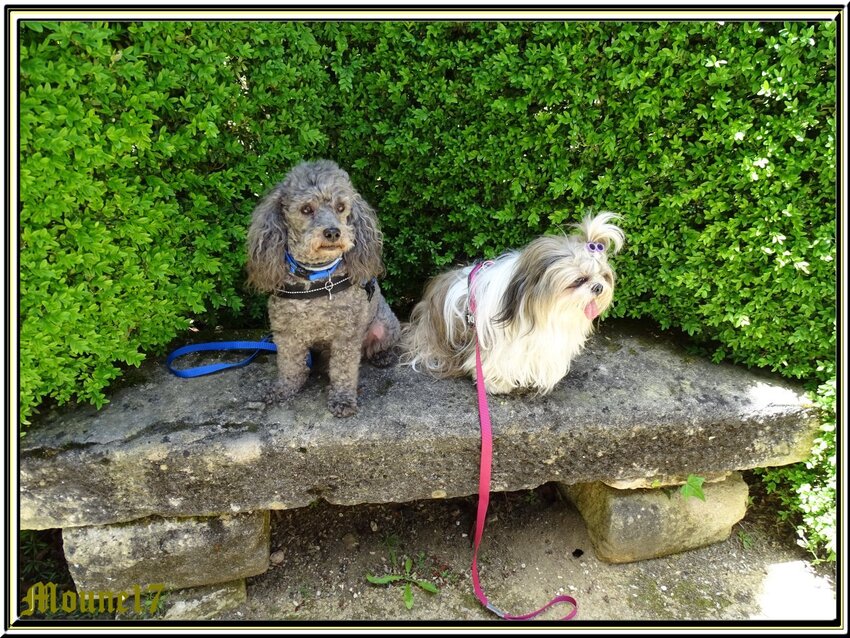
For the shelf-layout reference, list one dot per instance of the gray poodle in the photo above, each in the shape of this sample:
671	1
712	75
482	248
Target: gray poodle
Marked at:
315	245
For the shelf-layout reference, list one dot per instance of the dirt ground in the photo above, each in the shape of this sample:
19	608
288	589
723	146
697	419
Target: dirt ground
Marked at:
535	547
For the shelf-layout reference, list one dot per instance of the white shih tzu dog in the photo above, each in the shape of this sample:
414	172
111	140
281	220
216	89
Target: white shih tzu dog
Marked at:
534	310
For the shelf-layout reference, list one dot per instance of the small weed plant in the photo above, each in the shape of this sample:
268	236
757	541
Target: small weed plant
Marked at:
409	579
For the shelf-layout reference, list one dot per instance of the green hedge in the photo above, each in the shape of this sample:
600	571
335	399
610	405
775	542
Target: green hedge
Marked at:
714	141
145	146
143	151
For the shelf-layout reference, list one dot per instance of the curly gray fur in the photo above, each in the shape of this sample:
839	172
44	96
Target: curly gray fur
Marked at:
317	215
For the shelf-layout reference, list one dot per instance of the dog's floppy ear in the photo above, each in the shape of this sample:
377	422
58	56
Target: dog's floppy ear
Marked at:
527	291
266	243
364	259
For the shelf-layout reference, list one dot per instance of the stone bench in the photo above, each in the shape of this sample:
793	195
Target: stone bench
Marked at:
172	482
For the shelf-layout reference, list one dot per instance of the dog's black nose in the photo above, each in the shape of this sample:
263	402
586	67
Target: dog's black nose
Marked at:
332	234
596	289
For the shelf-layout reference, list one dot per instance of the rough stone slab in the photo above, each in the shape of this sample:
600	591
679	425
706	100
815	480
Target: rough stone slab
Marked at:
632	525
196	603
633	406
173	552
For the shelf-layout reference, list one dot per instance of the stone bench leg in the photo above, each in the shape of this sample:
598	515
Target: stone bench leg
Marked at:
631	525
174	553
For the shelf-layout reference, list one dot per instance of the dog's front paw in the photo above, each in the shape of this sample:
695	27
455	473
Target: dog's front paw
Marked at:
384	359
342	404
278	391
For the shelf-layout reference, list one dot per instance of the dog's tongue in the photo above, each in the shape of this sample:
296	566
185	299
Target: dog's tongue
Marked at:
591	311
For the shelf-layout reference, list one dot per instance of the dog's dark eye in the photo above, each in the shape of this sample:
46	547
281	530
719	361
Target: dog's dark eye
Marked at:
578	282
340	207
307	209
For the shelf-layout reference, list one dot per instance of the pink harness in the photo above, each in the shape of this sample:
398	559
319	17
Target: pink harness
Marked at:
484	480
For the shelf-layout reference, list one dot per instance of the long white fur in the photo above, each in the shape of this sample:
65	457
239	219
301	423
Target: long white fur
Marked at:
536	349
516	356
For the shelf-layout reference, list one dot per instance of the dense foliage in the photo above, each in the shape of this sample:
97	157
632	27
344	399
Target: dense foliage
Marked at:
715	142
144	147
143	152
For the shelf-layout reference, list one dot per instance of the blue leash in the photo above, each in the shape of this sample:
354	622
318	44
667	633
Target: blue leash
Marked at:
258	346
265	344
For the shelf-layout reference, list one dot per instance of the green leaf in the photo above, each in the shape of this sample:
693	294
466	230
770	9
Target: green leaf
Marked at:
383	580
408	596
427	586
693	487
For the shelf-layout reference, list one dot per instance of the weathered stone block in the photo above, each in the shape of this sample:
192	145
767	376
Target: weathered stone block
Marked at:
174	552
205	603
196	603
631	525
633	406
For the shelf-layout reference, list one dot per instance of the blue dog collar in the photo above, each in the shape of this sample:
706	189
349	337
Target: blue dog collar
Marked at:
312	274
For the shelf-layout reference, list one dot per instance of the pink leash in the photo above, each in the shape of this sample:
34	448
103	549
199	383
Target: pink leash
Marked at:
484	479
